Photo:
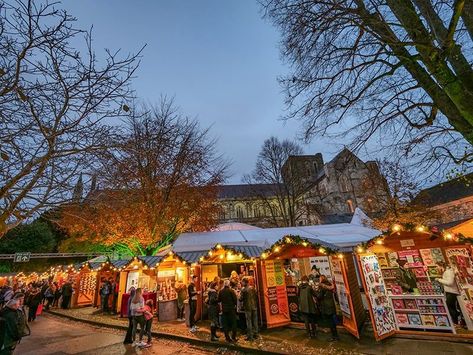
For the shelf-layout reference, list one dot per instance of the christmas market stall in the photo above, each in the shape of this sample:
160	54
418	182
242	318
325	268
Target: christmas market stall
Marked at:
108	272
84	284
281	268
418	280
138	272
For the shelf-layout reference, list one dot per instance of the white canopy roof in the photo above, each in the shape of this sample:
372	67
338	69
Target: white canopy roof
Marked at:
341	235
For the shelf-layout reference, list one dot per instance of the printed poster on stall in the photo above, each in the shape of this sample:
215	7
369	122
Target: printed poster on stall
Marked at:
273	300
381	310
278	273
293	300
322	264
270	276
412	256
340	287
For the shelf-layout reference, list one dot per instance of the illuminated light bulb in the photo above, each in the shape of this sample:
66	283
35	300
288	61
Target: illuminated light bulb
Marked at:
264	255
277	249
210	253
240	255
288	240
396	228
221	256
170	253
219	246
448	236
304	244
184	262
359	250
420	228
201	258
152	268
322	250
379	241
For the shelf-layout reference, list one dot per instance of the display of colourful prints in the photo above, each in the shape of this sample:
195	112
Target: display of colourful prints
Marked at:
427	257
402	319
460	259
414	319
342	294
437	255
383	313
411	256
383	262
392	258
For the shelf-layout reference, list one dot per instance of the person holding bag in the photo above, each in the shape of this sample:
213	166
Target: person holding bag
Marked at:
137	307
308	307
327	304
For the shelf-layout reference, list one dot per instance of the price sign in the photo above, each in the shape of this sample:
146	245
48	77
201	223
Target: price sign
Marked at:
22	257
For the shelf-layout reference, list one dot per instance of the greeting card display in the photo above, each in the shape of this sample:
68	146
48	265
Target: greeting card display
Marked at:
382	311
428	320
398	304
402	319
411	256
441	321
414	319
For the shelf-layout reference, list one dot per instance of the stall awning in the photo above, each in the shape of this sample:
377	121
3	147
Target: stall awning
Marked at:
192	256
251	251
120	263
150	261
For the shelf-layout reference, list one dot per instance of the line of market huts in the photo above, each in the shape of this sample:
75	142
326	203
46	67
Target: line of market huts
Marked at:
360	261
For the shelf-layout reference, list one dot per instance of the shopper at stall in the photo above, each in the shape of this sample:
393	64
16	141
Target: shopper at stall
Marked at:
66	293
213	310
49	295
314	274
128	338
228	299
234	279
15	326
181	291
57	295
451	290
104	295
33	301
137	312
327	304
308	306
407	279
148	314
249	299
192	293
113	294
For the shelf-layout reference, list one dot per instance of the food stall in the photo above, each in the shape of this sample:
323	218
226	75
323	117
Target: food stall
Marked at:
399	272
281	268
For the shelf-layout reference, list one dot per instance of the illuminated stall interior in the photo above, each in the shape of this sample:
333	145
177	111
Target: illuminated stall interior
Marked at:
418	306
281	268
84	284
221	260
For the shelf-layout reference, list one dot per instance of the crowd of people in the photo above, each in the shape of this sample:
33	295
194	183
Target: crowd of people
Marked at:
108	295
21	303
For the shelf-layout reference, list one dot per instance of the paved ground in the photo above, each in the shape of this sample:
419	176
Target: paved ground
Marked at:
293	341
56	336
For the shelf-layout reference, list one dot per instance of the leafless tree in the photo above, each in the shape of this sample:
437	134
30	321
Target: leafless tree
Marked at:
56	105
159	181
398	71
400	204
287	187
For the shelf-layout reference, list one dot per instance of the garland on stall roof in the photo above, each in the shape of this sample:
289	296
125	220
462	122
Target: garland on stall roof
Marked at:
297	240
396	229
228	250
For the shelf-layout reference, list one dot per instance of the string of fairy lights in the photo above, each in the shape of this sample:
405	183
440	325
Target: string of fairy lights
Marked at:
295	240
396	229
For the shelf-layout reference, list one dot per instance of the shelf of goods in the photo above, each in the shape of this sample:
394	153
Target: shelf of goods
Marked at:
426	312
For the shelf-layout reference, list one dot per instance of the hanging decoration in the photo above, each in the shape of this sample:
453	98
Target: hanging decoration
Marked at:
290	240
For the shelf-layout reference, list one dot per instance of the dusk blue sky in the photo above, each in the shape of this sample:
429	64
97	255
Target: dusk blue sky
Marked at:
219	59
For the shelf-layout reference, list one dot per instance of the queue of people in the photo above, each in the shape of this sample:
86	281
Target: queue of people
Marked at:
317	303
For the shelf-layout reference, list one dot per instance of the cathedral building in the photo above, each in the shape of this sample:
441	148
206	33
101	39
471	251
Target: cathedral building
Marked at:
324	192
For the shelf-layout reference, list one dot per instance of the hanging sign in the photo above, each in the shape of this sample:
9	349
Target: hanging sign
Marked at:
22	257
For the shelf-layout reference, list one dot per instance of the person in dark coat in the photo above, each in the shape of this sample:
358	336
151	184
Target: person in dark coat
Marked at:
308	306
128	338
212	303
33	301
327	304
227	297
192	293
249	300
66	293
14	321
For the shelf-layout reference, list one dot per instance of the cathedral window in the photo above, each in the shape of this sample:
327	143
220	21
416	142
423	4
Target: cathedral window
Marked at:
239	212
350	206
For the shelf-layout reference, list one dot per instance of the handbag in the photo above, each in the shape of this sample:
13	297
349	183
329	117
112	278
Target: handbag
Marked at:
39	310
